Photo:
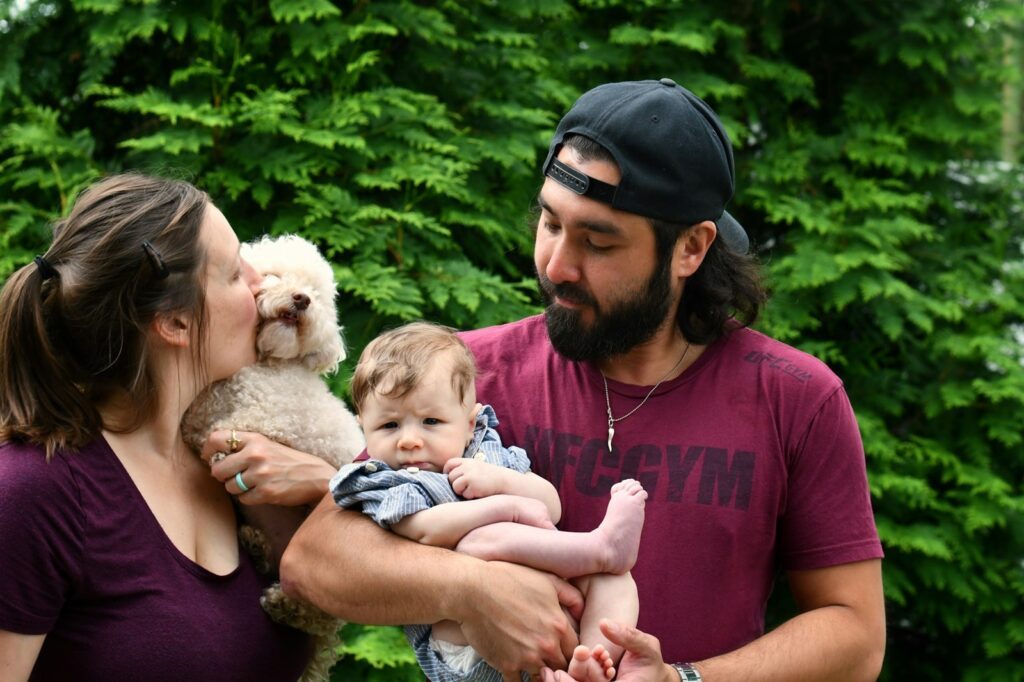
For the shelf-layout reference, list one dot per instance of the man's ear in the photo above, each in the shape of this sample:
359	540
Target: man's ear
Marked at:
691	247
174	329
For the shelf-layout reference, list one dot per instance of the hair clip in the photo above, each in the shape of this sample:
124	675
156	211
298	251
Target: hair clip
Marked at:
45	269
156	261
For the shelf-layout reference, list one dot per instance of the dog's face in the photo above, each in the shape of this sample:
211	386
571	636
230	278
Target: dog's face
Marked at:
296	303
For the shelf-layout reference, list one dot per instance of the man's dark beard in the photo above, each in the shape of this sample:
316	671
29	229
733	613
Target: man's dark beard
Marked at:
628	323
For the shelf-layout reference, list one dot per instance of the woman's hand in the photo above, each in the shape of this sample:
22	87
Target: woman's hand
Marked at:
270	473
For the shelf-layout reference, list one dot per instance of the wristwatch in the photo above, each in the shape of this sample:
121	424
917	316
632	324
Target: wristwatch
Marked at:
687	673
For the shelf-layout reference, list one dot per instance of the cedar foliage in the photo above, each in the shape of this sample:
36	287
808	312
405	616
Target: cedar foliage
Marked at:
405	138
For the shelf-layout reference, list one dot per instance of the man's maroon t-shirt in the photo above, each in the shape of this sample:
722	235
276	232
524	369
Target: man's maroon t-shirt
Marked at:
752	460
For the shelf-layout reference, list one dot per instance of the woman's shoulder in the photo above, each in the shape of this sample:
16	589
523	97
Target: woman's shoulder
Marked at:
41	515
30	480
27	461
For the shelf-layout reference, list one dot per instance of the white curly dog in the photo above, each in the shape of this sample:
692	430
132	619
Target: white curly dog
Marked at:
284	397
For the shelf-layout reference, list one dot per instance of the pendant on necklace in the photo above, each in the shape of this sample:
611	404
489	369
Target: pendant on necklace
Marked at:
611	434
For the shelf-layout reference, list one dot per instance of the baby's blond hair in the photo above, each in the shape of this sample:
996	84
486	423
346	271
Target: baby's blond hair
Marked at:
394	363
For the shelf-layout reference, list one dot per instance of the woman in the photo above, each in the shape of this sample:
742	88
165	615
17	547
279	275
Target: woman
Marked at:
120	558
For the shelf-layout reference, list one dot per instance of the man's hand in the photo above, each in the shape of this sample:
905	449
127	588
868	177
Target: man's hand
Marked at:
641	661
516	621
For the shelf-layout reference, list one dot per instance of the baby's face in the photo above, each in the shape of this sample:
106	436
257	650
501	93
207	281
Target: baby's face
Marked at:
424	428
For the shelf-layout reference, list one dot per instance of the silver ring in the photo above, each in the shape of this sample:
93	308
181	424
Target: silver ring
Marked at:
241	484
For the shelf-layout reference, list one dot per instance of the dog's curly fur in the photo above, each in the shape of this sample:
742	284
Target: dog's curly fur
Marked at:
284	397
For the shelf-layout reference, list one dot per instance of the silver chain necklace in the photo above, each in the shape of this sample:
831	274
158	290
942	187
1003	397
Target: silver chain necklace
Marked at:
608	400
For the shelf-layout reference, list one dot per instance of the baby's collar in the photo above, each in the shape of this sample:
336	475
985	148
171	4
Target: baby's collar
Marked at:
485	419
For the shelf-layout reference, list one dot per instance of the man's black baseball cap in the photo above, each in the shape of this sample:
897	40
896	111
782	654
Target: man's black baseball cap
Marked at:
671	149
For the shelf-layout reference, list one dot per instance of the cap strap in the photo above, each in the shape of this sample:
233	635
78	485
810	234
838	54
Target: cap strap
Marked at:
579	182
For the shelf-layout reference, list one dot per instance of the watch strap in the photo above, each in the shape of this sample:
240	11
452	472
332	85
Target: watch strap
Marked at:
687	673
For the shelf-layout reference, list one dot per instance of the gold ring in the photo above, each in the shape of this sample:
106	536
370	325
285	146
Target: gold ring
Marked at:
233	442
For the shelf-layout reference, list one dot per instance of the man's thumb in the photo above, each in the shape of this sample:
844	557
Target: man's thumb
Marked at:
629	638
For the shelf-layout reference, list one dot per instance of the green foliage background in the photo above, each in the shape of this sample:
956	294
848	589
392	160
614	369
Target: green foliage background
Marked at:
405	138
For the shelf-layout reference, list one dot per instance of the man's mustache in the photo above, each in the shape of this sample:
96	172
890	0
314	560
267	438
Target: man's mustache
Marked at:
565	291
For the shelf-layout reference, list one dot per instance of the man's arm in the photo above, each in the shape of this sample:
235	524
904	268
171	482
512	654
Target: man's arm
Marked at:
840	635
347	565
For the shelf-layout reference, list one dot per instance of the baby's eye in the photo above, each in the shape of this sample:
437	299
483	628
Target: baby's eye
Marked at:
388	425
431	421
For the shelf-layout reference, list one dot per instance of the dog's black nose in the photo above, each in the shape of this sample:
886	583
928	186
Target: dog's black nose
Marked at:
301	301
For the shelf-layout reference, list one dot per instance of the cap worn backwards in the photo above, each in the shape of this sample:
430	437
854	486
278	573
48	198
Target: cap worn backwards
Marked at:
674	156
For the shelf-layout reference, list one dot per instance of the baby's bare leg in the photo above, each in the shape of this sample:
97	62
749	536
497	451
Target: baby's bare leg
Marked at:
610	548
606	596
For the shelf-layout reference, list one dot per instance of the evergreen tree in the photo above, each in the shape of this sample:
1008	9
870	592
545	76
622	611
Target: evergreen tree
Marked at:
405	138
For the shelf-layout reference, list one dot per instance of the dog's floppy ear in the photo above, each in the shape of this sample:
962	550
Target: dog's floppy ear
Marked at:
327	358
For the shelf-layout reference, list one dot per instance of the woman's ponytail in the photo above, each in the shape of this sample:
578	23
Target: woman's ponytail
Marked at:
40	398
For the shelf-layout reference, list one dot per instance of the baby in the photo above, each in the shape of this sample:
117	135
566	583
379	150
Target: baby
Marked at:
430	443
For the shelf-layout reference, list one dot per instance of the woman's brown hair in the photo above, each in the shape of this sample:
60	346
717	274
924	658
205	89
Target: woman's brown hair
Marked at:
73	324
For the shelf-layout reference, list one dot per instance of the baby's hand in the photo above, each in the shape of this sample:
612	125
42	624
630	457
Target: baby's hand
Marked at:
473	478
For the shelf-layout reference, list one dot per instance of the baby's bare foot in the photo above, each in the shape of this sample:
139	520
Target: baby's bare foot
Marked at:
620	529
591	665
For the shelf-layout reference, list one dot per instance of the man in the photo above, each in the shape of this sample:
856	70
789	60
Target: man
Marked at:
748	449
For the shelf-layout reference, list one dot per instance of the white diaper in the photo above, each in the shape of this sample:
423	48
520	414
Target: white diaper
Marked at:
459	657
